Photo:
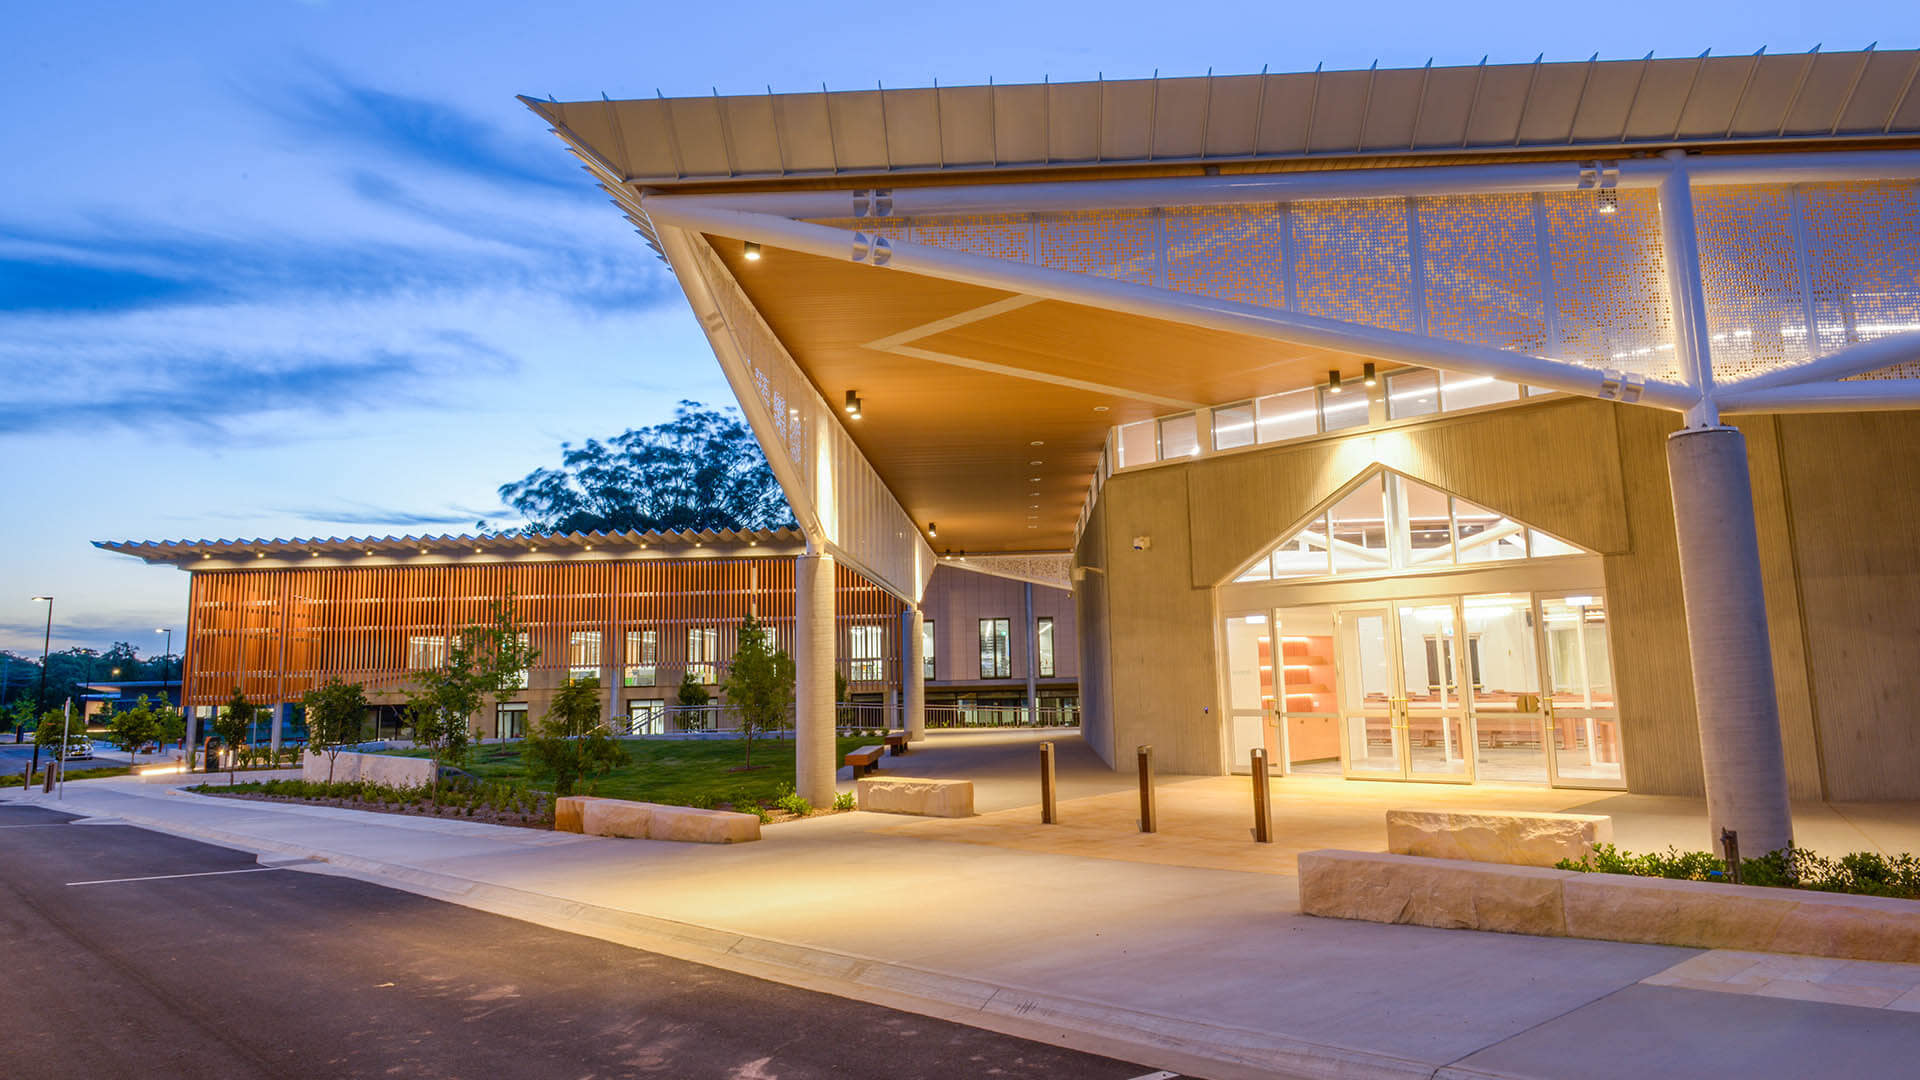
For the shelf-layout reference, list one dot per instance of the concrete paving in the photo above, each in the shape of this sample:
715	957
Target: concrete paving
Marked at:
1184	950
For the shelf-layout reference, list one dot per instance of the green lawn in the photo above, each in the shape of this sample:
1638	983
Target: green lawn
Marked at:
678	772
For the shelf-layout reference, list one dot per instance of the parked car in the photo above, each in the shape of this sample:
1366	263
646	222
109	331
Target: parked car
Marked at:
77	750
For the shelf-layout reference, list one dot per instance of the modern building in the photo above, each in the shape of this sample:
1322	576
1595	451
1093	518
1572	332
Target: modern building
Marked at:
1544	421
103	699
997	650
636	612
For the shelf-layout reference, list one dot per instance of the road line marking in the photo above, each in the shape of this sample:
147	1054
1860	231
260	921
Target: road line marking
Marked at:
168	877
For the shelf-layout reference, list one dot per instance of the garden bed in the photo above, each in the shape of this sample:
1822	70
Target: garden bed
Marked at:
495	806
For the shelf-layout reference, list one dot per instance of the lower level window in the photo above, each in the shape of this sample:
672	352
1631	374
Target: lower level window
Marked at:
510	720
646	716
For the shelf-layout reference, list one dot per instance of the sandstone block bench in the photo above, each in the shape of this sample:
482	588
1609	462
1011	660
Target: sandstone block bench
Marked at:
906	795
1518	838
1457	894
593	816
864	760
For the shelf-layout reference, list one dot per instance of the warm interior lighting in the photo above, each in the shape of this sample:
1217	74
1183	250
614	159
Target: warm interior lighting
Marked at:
1333	381
1099	408
853	404
1609	201
932	529
313	554
1366	374
753	251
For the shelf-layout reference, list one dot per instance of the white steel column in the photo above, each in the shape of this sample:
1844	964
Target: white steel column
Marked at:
915	676
1740	745
813	659
1741	755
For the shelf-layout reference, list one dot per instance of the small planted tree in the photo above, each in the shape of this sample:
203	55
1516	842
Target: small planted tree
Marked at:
691	695
168	725
233	724
482	662
134	728
335	712
572	741
759	685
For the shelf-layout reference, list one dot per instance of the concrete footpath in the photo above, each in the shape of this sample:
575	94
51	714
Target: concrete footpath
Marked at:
1208	972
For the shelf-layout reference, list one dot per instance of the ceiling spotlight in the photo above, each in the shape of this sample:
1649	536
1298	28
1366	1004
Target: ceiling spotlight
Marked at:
753	251
853	404
369	551
1036	462
1038	442
1033	479
1367	374
1333	381
932	529
315	554
1099	408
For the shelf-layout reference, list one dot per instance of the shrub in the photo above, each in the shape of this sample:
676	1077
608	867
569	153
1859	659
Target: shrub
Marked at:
794	804
843	801
1866	873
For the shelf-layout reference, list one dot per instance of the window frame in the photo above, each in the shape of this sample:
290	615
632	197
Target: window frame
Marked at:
1043	664
1000	654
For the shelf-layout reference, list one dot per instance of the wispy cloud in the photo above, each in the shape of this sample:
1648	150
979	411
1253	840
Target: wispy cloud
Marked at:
465	239
417	131
363	514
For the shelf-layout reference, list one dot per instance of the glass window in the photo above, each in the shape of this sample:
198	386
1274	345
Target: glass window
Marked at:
1542	545
1412	393
1233	426
583	654
703	654
643	657
1424	532
1486	536
646	716
1043	635
994	656
426	651
927	666
1305	553
1343	410
866	653
1468	391
1138	444
510	720
1291	415
1358	529
1179	437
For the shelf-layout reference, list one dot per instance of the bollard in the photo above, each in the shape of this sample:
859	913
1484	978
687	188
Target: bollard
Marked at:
1730	844
53	770
1147	817
1048	814
1262	800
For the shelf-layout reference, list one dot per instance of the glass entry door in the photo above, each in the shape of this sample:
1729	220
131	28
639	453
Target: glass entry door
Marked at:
1583	717
1403	715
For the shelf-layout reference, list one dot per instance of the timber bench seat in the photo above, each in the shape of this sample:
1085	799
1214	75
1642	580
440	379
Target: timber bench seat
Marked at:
896	742
865	760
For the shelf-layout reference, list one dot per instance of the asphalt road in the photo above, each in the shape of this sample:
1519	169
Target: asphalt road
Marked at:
280	973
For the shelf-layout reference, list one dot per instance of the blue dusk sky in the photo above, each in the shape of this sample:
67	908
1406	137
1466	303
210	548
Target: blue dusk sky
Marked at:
277	268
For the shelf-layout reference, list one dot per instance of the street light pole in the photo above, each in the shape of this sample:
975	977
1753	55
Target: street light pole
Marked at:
40	699
166	677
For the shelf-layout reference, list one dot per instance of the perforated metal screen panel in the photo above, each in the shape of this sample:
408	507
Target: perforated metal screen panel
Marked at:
1547	274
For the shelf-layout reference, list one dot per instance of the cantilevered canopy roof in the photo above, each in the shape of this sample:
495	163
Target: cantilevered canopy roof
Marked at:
1500	108
488	547
986	408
